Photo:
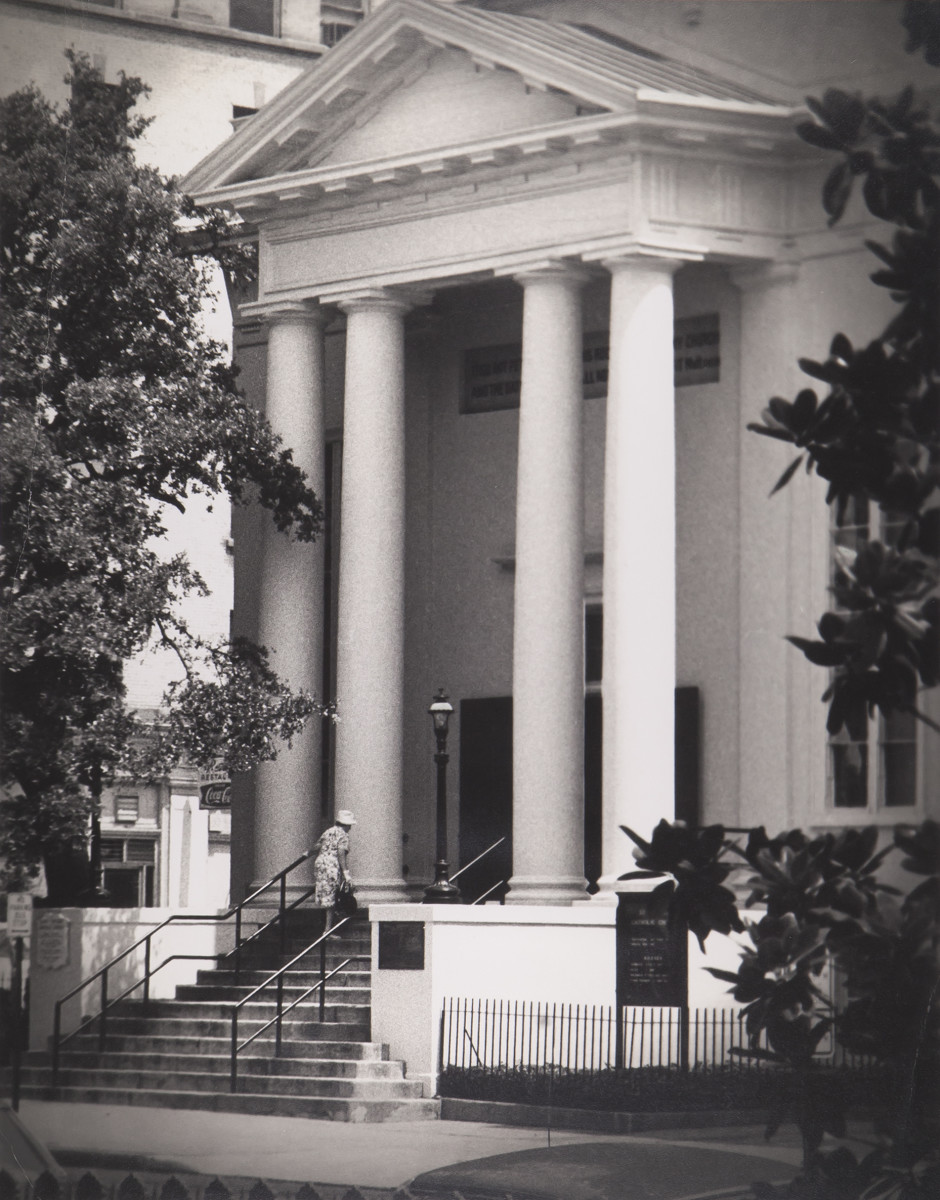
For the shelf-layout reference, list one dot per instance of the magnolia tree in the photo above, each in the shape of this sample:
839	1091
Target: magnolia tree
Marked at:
874	433
116	406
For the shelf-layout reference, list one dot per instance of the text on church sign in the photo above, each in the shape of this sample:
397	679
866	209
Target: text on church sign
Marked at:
492	375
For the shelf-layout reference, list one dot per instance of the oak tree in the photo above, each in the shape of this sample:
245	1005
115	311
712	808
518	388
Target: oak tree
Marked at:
116	407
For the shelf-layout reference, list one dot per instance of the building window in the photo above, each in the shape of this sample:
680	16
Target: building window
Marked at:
878	770
593	645
337	18
127	809
253	16
127	871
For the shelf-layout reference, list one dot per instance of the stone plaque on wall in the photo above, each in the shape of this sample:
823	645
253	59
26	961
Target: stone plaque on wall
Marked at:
52	941
401	945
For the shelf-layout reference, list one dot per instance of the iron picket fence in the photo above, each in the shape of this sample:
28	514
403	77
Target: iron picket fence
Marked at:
491	1034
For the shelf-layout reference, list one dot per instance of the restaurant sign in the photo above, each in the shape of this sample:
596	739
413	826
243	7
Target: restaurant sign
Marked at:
215	790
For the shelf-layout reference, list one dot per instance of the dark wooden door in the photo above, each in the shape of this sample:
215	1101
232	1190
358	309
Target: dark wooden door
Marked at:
485	792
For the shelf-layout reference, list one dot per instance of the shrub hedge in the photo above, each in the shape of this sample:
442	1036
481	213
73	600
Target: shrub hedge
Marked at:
646	1089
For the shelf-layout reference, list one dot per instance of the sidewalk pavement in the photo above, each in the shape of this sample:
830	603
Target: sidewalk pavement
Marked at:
433	1157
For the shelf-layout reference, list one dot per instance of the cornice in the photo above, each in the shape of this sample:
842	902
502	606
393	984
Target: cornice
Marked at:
713	128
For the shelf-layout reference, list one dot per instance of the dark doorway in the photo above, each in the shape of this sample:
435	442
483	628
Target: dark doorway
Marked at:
593	744
485	794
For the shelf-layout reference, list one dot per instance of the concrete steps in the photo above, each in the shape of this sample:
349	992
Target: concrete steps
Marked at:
313	1107
176	1053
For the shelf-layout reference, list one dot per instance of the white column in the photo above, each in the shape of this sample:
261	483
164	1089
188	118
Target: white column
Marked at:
290	622
769	668
639	665
548	638
370	631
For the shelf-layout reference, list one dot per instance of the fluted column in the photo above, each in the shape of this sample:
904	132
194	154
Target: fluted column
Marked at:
548	655
639	665
290	619
370	630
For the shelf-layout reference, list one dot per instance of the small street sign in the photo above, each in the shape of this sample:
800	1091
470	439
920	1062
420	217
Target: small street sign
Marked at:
19	914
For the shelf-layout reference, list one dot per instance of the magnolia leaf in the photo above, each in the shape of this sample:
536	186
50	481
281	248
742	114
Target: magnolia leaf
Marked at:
787	475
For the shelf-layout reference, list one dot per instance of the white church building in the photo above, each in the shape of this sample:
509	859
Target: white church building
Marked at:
527	270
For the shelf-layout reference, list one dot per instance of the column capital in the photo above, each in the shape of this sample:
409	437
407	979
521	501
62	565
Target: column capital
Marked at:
551	269
379	299
287	312
632	251
661	263
752	277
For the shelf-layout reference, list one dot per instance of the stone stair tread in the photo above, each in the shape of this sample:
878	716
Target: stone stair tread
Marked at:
262	1048
315	1086
331	1108
143	1060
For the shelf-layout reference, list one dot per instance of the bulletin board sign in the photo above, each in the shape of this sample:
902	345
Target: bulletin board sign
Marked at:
652	958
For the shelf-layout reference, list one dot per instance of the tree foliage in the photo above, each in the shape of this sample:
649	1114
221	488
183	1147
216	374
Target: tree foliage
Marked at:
825	902
875	433
115	406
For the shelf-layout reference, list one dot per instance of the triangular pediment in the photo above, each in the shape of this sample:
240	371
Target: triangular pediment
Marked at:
446	99
419	76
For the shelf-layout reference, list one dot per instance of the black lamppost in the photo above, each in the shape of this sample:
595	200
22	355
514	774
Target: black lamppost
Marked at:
441	891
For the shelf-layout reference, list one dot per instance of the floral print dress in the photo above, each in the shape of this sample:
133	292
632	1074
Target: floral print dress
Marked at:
326	869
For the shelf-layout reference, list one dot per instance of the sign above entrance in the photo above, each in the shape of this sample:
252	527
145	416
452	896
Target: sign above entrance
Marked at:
696	346
215	790
492	375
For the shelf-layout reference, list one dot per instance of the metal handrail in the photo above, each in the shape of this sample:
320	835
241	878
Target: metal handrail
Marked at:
278	978
474	861
499	884
145	941
58	1040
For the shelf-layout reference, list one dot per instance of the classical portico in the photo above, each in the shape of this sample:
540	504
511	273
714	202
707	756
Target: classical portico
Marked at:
537	166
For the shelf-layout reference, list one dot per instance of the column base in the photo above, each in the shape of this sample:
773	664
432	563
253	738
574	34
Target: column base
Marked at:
609	887
381	891
546	889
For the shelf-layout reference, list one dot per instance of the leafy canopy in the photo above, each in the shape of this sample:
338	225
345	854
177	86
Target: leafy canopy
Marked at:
115	405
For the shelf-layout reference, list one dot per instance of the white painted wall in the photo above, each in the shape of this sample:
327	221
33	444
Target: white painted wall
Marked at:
98	935
527	953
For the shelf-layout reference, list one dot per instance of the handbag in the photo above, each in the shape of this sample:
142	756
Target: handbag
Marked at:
346	903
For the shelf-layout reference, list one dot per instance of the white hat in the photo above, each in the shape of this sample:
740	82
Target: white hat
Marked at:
345	817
